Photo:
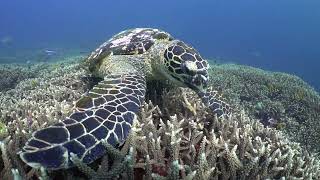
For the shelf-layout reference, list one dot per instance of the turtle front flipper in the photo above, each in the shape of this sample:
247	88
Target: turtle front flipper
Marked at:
106	112
213	100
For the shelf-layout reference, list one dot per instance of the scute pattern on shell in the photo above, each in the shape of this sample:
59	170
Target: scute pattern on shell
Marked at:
129	42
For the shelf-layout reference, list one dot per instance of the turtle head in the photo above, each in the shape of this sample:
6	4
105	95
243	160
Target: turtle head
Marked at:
185	65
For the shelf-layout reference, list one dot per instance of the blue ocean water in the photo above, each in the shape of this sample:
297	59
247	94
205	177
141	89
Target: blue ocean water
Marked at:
277	35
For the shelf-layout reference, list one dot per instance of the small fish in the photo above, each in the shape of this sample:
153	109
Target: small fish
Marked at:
272	121
50	52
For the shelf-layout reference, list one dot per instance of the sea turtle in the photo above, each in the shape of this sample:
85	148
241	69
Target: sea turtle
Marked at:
108	110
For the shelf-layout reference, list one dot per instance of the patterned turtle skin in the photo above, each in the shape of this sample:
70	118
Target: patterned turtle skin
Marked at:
109	109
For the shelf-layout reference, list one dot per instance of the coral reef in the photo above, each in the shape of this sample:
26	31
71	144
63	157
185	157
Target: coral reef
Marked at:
277	99
37	102
174	137
11	75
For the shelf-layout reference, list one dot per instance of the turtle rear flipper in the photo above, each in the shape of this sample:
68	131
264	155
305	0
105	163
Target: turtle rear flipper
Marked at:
106	112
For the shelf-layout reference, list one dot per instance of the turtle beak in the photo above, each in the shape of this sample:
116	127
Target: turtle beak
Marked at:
200	81
197	82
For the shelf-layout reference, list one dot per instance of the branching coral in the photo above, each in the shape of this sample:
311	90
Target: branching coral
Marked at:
235	148
187	147
28	107
277	99
174	138
11	75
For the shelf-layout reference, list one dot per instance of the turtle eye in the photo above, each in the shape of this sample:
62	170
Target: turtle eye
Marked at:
189	68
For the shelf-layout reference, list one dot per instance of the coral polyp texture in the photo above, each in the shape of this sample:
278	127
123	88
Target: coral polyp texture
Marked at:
175	135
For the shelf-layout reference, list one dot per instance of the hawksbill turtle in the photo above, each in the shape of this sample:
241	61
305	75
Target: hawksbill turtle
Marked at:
109	109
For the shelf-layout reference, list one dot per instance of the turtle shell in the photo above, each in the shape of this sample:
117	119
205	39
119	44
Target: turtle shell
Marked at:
128	42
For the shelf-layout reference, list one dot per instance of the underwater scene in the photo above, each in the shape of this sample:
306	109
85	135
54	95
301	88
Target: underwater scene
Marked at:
195	90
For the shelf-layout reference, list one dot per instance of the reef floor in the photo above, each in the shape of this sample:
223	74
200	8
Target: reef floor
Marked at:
273	133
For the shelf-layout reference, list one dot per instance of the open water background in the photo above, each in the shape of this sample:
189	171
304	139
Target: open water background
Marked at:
276	35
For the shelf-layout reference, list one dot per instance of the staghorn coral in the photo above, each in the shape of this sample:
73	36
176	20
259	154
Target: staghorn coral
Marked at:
183	146
176	139
235	148
29	107
11	75
122	165
277	99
